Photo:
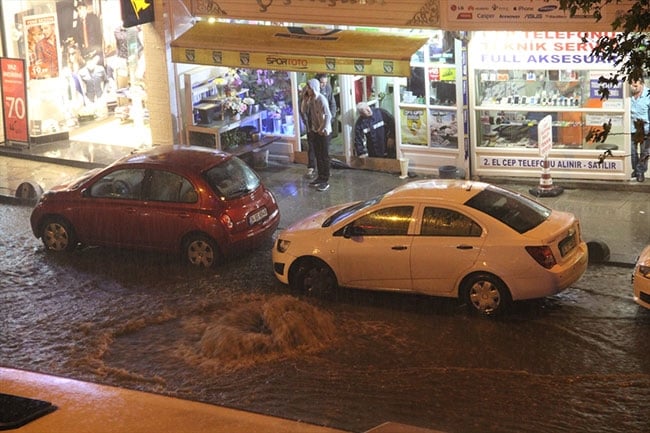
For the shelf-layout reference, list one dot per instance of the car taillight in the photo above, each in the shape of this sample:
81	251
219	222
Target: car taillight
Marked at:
542	255
226	220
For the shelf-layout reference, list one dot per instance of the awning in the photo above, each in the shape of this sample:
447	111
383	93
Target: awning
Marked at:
354	52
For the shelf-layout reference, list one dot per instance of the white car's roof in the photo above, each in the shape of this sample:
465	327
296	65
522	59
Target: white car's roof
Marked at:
450	190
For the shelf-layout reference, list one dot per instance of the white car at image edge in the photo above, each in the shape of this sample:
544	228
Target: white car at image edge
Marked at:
641	278
477	242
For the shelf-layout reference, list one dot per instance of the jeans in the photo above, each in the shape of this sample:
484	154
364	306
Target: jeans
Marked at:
311	153
321	145
639	156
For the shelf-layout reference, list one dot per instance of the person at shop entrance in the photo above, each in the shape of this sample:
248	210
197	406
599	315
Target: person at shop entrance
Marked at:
640	127
325	90
374	132
317	117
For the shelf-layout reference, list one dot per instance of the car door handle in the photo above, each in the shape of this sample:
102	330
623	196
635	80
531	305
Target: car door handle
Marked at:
183	215
464	247
130	210
399	247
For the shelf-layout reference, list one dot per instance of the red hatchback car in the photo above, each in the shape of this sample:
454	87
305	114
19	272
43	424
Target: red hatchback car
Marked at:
203	203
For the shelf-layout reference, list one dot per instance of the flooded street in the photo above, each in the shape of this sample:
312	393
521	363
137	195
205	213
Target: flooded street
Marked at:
575	362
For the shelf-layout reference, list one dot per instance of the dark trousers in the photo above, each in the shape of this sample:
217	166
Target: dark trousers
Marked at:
639	156
321	146
311	153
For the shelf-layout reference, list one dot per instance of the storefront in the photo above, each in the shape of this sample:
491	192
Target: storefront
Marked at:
528	63
467	97
84	72
416	79
518	79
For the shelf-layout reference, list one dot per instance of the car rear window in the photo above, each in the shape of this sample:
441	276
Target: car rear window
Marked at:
514	210
232	178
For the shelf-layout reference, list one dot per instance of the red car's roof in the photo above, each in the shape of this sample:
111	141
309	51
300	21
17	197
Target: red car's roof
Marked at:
194	158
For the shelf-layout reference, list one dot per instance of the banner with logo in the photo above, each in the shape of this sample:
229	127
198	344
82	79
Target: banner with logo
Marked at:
137	12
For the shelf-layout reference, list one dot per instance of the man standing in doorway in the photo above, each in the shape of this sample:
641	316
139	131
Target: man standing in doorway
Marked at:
640	127
316	114
325	90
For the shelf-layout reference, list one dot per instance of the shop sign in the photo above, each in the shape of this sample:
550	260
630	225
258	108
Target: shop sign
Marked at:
137	12
566	164
14	90
287	62
370	13
518	14
536	50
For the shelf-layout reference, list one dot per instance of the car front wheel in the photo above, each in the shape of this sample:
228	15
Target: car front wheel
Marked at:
58	235
314	277
201	251
486	294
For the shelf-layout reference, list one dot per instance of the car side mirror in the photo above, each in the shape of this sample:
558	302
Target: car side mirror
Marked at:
351	231
85	192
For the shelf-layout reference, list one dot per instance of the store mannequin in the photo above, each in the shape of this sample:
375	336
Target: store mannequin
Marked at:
94	77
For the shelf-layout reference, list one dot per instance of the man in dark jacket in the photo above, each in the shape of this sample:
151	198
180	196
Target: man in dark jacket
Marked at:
372	132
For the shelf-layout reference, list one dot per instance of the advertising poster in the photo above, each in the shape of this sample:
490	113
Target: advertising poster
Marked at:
12	80
42	47
414	126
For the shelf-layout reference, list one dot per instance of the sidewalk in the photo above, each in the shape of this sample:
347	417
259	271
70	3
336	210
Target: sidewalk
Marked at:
89	407
616	214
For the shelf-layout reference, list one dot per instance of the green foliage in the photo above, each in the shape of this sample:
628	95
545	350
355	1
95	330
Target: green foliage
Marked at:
233	138
627	51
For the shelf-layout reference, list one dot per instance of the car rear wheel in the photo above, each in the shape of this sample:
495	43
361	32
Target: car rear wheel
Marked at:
487	295
201	251
313	277
58	235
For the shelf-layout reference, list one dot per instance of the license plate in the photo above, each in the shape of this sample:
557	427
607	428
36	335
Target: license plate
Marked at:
567	245
258	216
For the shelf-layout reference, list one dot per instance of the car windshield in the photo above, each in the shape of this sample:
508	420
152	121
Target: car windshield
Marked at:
232	178
514	210
347	211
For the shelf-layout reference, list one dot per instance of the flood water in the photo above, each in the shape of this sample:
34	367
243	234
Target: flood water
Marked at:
575	362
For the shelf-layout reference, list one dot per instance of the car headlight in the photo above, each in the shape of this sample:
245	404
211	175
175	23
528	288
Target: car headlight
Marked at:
644	270
282	245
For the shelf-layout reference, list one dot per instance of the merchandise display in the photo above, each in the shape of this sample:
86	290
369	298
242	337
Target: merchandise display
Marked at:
511	103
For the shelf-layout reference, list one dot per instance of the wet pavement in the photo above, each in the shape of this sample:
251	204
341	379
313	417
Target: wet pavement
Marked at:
614	215
572	362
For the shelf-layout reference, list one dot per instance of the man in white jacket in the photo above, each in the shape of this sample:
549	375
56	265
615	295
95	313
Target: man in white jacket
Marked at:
316	114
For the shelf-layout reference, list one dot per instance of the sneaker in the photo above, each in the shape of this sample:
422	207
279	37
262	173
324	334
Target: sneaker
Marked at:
311	174
633	174
640	177
323	186
314	183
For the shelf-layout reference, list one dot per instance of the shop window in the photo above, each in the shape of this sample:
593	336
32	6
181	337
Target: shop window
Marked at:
428	98
511	103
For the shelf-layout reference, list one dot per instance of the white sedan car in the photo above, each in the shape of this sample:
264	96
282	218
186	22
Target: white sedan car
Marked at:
641	278
474	241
